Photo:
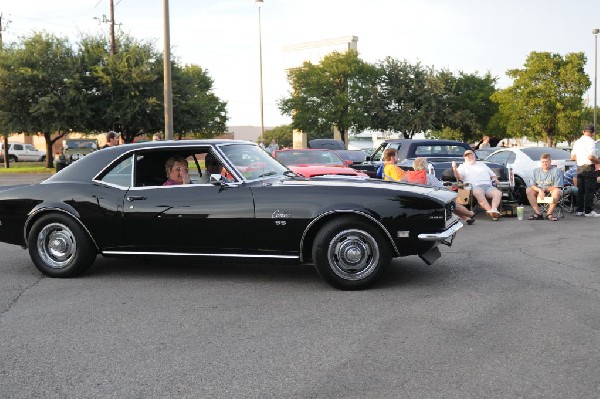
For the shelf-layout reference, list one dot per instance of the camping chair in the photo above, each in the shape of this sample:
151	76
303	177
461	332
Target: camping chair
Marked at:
560	208
567	200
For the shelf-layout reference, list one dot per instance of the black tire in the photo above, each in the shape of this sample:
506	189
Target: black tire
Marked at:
43	158
12	158
350	254
59	247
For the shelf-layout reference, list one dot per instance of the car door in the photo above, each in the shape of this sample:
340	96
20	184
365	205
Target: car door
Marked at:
30	153
190	218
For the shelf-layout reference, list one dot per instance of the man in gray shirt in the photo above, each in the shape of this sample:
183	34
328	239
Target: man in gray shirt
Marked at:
547	180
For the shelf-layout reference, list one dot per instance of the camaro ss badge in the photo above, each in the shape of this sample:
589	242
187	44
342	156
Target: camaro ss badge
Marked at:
280	215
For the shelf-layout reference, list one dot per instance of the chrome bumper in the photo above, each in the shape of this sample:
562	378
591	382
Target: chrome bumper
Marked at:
444	236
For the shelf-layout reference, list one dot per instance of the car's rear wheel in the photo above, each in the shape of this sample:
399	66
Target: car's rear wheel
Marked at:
59	247
12	158
350	254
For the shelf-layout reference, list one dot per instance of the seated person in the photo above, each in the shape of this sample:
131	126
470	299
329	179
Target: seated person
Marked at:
213	166
391	171
420	165
570	182
177	171
482	179
547	180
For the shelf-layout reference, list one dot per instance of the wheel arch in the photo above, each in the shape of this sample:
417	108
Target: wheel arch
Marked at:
309	234
37	213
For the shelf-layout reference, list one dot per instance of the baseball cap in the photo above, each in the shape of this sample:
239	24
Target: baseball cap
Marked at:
589	128
468	152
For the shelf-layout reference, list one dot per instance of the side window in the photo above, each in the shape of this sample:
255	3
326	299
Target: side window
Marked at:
501	157
18	147
120	174
378	154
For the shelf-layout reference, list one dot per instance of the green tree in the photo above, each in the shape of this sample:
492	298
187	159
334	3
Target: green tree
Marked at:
282	134
197	111
332	93
40	88
545	100
127	87
401	98
464	105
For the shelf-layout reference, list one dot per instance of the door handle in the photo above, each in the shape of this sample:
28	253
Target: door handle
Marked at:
135	198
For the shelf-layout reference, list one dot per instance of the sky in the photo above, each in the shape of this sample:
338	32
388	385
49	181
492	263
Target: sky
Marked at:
222	36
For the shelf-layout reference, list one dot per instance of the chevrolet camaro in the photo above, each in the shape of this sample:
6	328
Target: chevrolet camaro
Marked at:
114	203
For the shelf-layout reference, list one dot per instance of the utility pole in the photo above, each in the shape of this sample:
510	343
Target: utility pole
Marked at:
112	27
4	135
168	88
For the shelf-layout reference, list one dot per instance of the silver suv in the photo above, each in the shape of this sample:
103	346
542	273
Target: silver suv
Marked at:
22	152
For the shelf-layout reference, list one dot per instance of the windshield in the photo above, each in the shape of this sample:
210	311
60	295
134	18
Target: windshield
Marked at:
252	161
308	157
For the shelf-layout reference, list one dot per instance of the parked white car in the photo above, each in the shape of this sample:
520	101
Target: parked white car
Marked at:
18	152
524	160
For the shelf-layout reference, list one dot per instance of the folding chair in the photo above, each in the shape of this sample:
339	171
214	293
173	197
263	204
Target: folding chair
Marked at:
567	199
546	201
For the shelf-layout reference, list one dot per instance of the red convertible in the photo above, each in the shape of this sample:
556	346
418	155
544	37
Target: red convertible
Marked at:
312	162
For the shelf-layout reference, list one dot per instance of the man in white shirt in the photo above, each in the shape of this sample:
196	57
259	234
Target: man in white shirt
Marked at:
482	179
583	153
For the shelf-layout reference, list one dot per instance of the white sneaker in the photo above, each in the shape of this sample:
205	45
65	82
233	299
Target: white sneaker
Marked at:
592	214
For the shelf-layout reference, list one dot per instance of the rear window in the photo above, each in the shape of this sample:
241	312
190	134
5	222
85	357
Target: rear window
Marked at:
555	153
440	150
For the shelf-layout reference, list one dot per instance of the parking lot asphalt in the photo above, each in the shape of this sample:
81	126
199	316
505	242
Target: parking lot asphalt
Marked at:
9	179
511	309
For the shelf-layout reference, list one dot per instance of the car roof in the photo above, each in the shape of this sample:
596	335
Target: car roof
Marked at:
427	141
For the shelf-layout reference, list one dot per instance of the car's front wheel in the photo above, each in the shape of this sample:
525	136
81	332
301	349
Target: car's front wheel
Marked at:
350	254
59	247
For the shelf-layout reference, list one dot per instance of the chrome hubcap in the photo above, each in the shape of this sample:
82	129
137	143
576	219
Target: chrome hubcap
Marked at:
56	245
353	254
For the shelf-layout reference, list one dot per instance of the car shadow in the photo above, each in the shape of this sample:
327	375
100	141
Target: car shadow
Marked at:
401	272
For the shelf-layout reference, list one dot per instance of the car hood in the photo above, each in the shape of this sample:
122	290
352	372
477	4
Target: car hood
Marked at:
387	187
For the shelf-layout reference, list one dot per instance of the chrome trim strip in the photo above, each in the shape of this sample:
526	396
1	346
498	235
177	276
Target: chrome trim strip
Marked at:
345	211
444	235
199	254
47	209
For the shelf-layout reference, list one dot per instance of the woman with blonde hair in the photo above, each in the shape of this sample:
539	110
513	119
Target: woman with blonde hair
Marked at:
421	165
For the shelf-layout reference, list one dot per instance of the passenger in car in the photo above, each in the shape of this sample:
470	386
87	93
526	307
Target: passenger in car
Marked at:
213	166
177	171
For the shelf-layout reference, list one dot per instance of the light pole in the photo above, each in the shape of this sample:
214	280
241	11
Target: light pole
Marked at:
595	33
259	3
167	89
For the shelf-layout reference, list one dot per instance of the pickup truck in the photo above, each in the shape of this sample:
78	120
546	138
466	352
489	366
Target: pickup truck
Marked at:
439	154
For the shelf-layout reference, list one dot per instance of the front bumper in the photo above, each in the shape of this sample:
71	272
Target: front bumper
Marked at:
444	237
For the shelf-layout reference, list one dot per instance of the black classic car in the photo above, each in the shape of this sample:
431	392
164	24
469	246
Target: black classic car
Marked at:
113	202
